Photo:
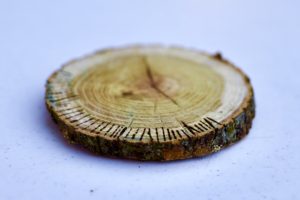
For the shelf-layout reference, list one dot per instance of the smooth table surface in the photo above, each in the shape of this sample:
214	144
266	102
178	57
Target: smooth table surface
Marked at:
37	37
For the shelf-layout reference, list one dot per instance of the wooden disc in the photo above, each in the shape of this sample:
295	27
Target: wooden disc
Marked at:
151	102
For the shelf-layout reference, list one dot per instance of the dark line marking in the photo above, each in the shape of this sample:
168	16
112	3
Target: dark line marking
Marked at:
163	131
133	136
104	126
110	129
185	133
64	114
201	130
95	120
69	117
173	133
89	119
128	132
97	127
179	133
121	133
169	135
189	128
204	127
207	121
142	134
204	124
156	135
115	131
151	139
75	120
214	121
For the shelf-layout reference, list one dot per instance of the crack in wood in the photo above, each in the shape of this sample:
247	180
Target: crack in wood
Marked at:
153	84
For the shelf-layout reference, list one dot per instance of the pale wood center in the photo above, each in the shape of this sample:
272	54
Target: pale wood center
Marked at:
149	90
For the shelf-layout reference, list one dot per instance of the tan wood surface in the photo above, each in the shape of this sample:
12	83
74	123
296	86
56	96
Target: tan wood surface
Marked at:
151	102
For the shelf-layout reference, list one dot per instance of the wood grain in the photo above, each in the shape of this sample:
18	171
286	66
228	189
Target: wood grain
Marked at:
151	102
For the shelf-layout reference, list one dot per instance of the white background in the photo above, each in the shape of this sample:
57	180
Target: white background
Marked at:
37	37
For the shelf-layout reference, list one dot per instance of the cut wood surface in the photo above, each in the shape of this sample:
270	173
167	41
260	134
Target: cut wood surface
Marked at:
151	102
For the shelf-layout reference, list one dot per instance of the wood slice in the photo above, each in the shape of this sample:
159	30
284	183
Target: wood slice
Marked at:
151	102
